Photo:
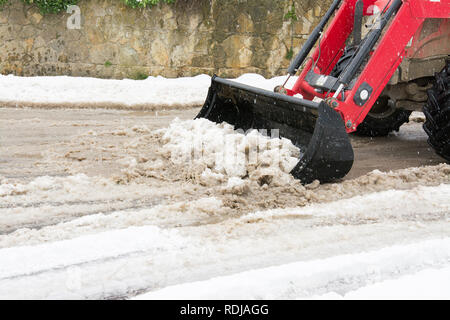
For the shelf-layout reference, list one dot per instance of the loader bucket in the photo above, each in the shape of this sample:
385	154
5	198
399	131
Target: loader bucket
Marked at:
315	128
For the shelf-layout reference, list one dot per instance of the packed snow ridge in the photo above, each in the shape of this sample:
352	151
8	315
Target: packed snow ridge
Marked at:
154	93
220	154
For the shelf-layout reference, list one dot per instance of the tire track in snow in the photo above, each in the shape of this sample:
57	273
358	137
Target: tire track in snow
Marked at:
214	243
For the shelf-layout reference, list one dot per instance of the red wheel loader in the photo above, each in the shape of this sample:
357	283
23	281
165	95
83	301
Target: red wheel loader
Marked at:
374	63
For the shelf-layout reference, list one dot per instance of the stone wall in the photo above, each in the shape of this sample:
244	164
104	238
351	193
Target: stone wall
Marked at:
227	37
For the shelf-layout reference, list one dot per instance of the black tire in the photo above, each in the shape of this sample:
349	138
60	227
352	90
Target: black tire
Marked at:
383	118
437	113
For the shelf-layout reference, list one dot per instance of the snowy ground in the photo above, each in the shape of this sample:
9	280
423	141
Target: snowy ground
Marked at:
94	205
